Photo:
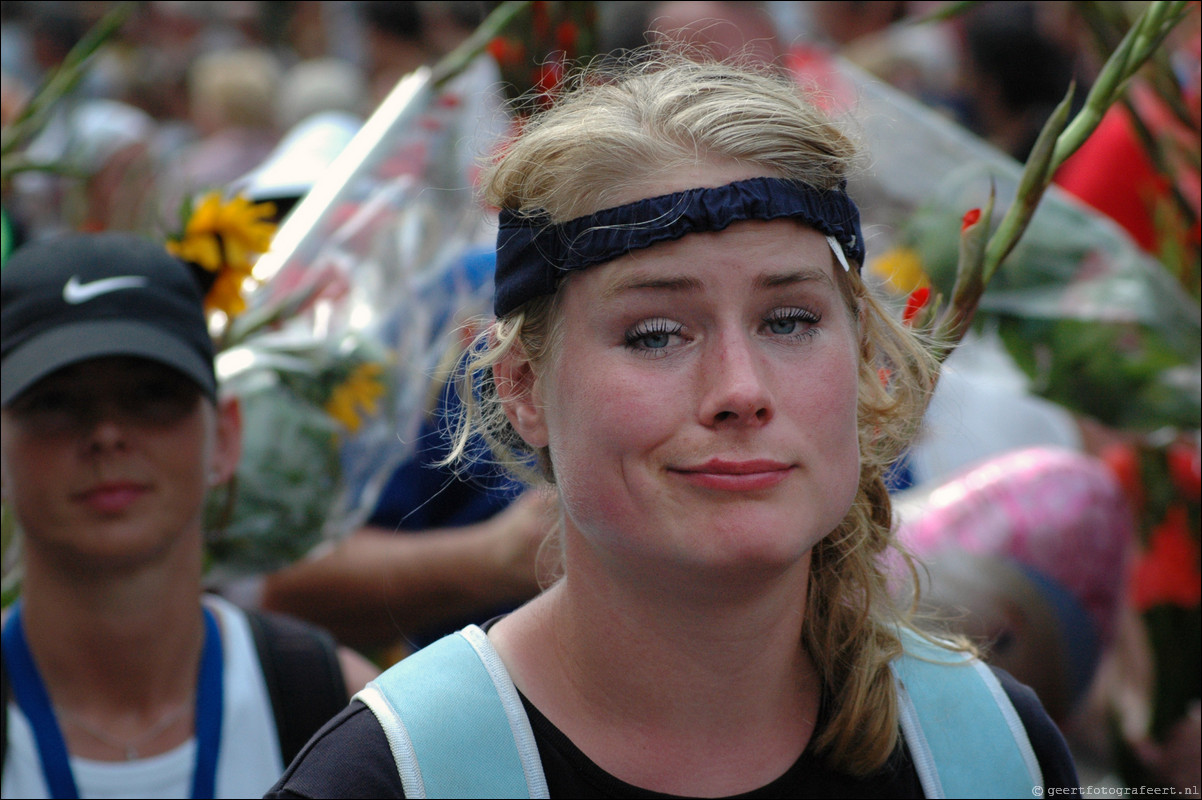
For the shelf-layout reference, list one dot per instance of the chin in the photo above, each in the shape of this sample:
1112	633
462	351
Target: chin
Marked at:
757	547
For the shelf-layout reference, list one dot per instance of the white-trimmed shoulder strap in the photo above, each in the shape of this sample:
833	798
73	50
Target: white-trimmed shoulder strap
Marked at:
964	736
455	722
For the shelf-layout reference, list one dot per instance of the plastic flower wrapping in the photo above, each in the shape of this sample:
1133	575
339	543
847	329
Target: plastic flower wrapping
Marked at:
342	342
1097	324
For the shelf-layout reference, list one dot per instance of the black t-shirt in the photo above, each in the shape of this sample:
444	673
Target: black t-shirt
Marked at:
350	757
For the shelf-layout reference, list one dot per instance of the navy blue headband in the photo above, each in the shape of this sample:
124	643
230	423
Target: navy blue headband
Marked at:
533	254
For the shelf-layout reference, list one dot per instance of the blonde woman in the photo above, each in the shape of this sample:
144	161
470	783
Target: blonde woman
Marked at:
684	350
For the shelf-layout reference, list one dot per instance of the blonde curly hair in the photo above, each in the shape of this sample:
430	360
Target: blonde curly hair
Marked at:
654	117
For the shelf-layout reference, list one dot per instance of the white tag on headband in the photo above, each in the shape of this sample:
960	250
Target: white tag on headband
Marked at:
838	248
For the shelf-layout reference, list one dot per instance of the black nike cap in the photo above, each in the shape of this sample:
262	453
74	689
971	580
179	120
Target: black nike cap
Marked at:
82	296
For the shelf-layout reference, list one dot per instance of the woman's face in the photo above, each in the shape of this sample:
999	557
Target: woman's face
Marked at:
700	409
107	462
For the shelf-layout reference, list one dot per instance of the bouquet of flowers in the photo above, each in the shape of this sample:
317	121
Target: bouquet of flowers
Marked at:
360	307
334	353
1099	326
1075	291
277	504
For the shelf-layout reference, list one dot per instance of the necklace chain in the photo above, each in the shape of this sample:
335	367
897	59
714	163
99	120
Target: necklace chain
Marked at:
131	746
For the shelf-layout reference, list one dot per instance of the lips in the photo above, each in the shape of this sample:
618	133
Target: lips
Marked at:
113	497
736	476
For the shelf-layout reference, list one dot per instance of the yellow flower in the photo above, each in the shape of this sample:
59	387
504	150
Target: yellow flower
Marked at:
358	397
901	269
223	237
226	293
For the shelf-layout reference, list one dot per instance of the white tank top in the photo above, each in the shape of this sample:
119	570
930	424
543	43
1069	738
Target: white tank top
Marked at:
248	762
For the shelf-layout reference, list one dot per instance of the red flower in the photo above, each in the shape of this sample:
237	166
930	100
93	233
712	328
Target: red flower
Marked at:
1167	574
506	52
970	218
1185	469
1123	461
917	301
566	34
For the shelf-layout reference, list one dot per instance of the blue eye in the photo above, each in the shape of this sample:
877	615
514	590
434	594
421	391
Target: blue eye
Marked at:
655	341
782	326
794	322
654	334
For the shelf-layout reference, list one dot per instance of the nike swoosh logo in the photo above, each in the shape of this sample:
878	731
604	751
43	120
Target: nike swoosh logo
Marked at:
75	292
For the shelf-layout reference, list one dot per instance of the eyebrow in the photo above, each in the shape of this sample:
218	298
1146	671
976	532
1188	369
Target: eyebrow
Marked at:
684	283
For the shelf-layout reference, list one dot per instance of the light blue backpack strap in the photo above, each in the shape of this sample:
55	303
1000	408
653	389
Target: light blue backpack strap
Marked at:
455	722
963	733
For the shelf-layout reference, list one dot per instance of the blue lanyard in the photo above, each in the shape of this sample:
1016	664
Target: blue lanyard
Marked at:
34	701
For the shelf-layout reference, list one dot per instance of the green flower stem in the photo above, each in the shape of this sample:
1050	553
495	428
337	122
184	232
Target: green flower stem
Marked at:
954	322
493	25
1036	176
1058	140
254	320
1107	23
60	82
1136	48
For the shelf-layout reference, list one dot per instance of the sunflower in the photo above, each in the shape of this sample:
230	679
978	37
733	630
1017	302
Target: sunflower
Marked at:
358	397
222	238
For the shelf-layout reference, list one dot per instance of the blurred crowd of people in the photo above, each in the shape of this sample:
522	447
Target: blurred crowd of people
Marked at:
192	96
189	97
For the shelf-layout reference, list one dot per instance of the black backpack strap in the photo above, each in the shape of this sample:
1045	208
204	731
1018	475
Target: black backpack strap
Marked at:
304	677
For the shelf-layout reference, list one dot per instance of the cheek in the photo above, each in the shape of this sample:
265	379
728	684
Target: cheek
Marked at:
832	415
188	454
598	421
21	464
34	484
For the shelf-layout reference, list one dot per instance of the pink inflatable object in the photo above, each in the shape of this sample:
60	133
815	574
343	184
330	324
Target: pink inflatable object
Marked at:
1058	512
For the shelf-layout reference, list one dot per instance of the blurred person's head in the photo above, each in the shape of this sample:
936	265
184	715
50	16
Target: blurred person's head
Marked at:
234	88
320	85
14	94
717	29
841	23
395	38
112	430
53	31
1015	73
111	146
1025	553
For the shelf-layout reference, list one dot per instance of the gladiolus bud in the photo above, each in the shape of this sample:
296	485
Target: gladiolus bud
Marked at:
970	218
918	299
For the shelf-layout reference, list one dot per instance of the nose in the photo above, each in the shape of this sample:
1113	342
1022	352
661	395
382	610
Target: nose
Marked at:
737	390
104	429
